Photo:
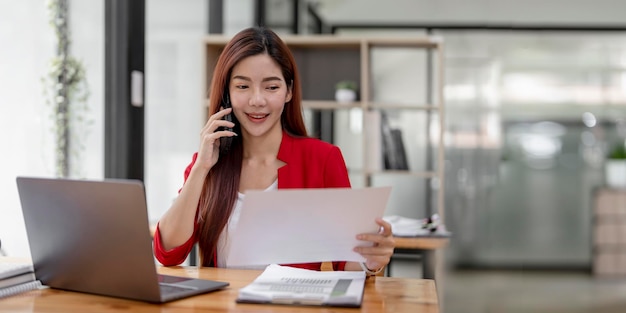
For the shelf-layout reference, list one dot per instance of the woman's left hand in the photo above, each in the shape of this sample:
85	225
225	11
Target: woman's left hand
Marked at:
379	254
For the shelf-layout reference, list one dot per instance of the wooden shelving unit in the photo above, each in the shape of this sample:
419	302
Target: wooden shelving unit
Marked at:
609	232
324	60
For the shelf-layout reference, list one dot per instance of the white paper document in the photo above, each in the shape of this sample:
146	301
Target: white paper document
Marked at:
411	227
304	225
288	285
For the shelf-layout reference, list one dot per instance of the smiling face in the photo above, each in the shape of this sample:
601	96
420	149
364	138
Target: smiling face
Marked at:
258	93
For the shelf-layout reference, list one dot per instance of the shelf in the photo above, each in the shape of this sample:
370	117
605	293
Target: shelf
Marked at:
329	105
409	173
398	106
324	60
402	172
334	105
321	105
417	42
329	41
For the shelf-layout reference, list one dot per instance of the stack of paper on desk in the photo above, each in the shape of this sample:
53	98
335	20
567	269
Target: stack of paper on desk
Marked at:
288	285
406	227
17	278
410	227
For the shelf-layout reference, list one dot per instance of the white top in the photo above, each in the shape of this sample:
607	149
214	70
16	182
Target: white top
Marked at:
223	244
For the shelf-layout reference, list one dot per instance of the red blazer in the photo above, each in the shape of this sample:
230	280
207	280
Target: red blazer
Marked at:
310	163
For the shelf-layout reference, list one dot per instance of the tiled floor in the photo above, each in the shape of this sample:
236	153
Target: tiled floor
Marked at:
525	291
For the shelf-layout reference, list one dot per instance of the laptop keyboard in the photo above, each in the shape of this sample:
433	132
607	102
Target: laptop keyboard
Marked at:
168	289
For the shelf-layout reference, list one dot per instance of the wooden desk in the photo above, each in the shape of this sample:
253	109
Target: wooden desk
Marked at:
382	294
427	246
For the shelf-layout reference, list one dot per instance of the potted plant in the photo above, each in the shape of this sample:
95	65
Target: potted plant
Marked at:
345	91
615	166
66	89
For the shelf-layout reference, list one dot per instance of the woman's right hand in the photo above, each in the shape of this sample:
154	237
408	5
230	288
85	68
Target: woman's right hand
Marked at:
208	154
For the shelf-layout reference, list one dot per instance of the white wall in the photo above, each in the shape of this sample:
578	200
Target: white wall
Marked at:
174	95
87	29
25	124
26	47
238	14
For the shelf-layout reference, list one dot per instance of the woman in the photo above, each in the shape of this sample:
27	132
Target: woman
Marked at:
258	143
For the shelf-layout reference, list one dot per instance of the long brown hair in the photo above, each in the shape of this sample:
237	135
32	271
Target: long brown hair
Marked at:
219	193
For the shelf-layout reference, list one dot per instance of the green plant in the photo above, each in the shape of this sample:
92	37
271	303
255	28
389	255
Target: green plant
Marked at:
618	152
66	91
346	84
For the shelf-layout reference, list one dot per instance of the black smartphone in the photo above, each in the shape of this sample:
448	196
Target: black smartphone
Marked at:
225	142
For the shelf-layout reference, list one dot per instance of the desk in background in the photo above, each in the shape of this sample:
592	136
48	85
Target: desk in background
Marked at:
427	246
382	294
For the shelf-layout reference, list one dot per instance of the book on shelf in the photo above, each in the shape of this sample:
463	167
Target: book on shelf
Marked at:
16	278
394	154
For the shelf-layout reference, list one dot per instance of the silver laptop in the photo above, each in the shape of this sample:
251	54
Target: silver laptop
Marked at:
94	237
